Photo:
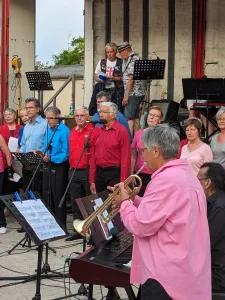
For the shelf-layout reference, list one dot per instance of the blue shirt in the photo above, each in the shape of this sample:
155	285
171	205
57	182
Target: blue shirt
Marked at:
59	145
33	135
20	135
119	117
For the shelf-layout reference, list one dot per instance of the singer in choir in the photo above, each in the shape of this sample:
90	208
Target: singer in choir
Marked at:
110	151
79	156
56	143
33	140
154	117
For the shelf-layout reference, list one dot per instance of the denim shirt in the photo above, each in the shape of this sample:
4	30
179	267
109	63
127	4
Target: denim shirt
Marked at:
59	146
33	135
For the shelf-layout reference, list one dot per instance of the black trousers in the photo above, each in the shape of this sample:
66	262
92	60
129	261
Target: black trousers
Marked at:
2	215
145	180
153	290
54	185
106	177
79	188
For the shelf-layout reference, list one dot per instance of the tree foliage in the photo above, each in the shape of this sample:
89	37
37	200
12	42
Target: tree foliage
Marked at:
73	55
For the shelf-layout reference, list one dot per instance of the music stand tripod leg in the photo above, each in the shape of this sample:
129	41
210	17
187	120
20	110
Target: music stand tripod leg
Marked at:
38	282
46	267
19	243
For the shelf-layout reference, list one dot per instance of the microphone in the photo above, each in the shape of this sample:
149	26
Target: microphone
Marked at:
97	122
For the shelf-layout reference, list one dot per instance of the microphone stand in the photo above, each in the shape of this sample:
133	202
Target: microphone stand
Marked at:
82	289
86	145
40	161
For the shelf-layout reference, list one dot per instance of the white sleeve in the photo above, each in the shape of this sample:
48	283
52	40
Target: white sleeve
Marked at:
98	68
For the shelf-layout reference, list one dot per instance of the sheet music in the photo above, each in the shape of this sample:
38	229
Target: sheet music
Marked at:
13	144
40	219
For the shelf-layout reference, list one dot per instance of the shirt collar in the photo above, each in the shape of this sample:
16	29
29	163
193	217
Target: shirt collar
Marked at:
76	128
171	163
38	119
113	126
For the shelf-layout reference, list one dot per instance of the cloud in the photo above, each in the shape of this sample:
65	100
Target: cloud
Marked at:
57	21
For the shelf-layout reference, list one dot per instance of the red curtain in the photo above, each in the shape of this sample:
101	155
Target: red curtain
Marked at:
199	43
4	56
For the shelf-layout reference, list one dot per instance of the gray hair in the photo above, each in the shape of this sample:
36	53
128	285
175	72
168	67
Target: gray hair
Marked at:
84	108
103	94
163	136
112	105
220	112
53	109
10	110
112	46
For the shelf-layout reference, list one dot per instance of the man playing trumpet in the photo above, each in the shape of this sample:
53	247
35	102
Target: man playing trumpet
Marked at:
171	250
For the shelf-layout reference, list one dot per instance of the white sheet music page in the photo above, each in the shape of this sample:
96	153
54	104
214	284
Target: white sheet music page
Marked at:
40	219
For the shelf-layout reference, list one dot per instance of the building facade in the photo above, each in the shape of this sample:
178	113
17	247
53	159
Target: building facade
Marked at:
188	34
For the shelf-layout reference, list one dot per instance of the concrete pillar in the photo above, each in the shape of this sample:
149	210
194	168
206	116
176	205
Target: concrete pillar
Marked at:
183	45
89	56
158	42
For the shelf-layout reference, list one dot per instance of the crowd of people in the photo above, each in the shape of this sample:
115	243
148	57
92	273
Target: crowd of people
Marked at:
178	217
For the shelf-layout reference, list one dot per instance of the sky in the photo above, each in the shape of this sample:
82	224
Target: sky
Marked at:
57	21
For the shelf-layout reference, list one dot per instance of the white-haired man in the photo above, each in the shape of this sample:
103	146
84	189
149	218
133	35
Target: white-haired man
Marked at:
110	151
171	252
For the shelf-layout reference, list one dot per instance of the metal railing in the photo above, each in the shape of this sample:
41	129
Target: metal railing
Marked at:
53	99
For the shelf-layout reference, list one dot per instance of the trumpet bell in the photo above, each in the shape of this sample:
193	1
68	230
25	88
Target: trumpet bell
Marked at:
79	226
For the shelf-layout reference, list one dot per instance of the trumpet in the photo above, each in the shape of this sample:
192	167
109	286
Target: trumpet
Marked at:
132	185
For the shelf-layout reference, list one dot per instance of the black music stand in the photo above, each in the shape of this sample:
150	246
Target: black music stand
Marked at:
39	81
29	160
148	69
209	89
212	89
35	226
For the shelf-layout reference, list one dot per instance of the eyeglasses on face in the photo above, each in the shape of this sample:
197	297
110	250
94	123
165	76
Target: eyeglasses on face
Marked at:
154	116
202	178
79	116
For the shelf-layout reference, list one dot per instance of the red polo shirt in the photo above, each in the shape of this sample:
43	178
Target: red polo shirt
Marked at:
76	143
110	147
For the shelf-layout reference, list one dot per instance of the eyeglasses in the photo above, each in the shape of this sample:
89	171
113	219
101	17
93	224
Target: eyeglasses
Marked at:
79	116
105	112
154	116
221	119
142	150
30	107
203	178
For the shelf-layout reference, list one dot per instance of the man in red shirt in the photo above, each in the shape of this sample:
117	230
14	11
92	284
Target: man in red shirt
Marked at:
78	137
110	151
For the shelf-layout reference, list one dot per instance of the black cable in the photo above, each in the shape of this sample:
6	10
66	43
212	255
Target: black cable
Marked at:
11	270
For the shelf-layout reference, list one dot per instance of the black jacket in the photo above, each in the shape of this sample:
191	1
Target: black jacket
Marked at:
216	219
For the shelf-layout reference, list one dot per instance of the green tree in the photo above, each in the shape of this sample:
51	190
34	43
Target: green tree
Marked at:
73	55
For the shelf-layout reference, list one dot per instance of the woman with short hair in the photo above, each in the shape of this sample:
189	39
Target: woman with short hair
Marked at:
196	151
154	117
10	127
218	140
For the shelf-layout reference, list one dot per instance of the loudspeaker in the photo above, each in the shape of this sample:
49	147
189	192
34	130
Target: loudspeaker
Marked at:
169	108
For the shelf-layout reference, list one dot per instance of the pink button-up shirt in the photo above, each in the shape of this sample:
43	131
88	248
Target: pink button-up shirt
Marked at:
171	235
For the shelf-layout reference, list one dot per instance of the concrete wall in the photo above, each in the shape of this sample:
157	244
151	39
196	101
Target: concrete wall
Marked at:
158	37
22	43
